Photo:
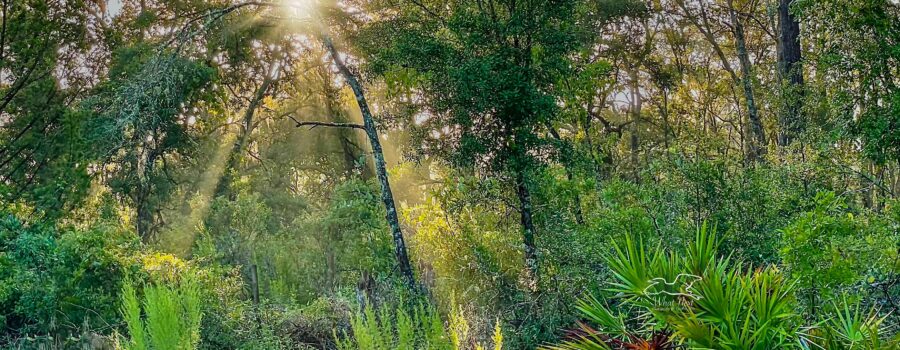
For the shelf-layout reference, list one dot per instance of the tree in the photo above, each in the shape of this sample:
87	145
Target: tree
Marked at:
256	59
41	47
704	23
138	125
791	70
484	73
387	196
758	139
857	80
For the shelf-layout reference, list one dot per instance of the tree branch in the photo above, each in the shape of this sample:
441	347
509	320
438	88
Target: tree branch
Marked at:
314	124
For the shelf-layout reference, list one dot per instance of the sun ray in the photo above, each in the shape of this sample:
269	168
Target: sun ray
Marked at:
180	236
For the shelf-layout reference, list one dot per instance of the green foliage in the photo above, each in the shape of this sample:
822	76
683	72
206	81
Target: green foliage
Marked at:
172	315
861	47
709	302
139	123
703	299
462	232
594	117
494	100
421	328
850	328
43	156
347	230
131	312
54	280
829	249
749	206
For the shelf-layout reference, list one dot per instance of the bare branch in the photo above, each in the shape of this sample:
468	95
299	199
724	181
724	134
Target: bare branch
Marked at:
314	124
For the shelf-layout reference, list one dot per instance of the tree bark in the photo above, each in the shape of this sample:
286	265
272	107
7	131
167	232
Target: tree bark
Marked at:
757	148
144	220
790	120
347	138
531	260
664	111
380	167
636	106
144	211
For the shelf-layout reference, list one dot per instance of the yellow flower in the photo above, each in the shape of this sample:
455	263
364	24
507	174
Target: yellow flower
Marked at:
164	267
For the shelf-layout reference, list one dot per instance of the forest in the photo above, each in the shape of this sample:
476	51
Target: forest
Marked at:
450	174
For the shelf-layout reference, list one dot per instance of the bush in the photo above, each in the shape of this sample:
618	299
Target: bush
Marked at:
829	250
698	299
64	281
389	329
315	325
172	316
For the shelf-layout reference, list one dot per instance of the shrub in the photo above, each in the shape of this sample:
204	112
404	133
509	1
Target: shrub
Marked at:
698	299
61	281
828	249
172	316
314	325
389	329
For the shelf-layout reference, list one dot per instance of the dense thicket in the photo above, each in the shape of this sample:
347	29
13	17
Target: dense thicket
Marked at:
466	174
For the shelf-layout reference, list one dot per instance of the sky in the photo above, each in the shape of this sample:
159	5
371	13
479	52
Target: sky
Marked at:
113	7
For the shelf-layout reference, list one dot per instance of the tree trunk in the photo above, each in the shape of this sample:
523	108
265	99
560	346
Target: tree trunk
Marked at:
531	261
380	167
347	138
790	120
636	106
576	205
664	110
145	220
331	271
254	285
758	138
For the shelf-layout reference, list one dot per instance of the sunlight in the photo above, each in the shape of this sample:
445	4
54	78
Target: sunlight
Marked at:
449	174
180	236
301	9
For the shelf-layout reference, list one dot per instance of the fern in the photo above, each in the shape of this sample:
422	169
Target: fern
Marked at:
131	312
423	328
172	320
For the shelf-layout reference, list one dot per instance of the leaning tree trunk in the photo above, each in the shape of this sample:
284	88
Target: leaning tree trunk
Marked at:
790	120
380	168
758	137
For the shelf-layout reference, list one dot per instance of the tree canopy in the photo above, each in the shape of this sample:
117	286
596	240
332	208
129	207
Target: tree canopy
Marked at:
465	174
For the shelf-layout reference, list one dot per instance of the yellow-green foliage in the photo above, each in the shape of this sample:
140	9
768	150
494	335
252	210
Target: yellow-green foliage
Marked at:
131	312
498	336
172	316
468	244
389	329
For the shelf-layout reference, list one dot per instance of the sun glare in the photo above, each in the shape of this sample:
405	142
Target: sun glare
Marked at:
303	9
